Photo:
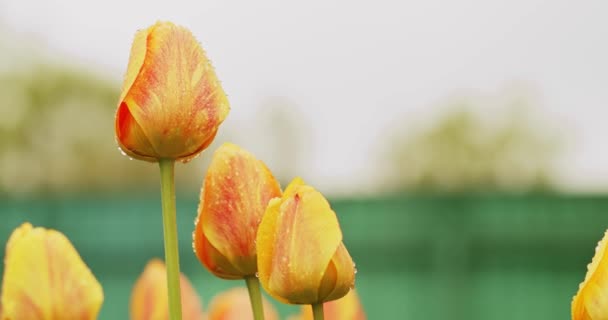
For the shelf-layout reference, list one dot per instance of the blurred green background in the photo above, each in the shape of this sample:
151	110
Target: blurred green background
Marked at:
486	256
461	144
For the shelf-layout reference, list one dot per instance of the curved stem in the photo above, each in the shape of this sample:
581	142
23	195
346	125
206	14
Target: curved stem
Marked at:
255	296
317	311
167	188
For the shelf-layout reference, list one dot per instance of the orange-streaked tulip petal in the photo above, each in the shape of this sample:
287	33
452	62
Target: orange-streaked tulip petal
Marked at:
234	304
210	257
301	257
171	102
234	197
149	295
346	308
45	278
591	301
266	240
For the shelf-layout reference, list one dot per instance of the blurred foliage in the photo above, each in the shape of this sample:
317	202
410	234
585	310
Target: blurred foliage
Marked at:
472	149
57	134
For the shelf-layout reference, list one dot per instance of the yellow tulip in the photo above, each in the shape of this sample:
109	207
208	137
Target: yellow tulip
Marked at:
591	301
171	103
45	278
233	199
234	305
346	308
301	257
149	295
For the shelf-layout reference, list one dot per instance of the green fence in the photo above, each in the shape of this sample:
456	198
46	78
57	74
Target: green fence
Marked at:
424	257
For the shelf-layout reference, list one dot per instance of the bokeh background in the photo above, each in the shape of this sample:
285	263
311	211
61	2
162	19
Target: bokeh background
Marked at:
461	143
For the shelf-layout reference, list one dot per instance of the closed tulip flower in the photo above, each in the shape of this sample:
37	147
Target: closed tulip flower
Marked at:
301	257
591	301
45	278
234	197
346	308
234	304
171	102
149	295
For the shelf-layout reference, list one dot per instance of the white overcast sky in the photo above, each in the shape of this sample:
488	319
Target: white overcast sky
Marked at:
352	67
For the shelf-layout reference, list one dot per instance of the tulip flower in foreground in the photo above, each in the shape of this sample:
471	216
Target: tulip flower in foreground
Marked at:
171	103
149	295
234	305
170	109
45	278
591	301
233	199
346	308
301	257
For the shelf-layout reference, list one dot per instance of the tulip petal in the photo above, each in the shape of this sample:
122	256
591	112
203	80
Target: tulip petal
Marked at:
591	301
149	295
45	278
234	304
305	215
235	195
344	275
130	136
172	92
266	240
210	256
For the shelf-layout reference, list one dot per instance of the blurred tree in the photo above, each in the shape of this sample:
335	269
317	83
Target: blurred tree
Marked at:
283	143
464	151
57	134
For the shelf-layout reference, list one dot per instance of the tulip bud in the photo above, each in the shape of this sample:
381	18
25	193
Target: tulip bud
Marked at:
171	103
45	278
233	199
591	301
234	305
301	257
149	295
346	308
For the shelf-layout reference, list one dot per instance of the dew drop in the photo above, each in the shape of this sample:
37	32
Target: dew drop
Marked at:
122	152
257	274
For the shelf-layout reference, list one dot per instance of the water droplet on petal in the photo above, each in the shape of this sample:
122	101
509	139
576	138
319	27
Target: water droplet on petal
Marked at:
122	151
257	274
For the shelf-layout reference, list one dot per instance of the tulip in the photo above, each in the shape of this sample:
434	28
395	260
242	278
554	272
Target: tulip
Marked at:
234	305
171	102
149	295
45	278
170	109
301	257
346	308
591	301
233	199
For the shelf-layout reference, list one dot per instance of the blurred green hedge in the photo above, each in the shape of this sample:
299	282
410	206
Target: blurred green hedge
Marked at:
418	257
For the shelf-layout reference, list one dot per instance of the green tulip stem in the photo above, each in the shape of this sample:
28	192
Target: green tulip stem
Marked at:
255	296
167	191
317	311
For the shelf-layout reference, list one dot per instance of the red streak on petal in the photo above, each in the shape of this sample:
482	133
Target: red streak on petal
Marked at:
124	121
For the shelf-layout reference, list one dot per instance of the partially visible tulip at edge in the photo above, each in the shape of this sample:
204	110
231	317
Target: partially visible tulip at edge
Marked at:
346	308
171	103
234	197
301	257
234	305
591	301
149	295
46	279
